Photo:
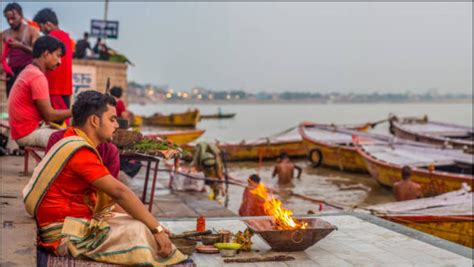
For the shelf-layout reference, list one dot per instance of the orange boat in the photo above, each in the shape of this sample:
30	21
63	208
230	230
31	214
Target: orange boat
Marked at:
332	145
436	170
187	119
264	148
270	147
448	216
179	137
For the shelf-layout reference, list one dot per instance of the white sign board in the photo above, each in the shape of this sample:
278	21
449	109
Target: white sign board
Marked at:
104	28
83	79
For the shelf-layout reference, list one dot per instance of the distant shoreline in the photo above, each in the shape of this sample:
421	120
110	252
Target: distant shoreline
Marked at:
277	102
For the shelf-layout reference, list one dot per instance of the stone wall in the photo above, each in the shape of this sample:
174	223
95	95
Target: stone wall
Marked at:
117	72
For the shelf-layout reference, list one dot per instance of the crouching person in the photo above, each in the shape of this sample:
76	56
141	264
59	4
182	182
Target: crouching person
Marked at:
73	197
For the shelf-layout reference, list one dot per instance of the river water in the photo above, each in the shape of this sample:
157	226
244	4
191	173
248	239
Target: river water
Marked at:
257	120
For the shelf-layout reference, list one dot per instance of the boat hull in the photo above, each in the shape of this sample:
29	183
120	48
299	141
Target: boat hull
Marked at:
188	119
398	130
243	152
263	151
343	158
455	228
432	183
180	137
218	116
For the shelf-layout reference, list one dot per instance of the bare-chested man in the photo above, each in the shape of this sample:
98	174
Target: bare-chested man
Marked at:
18	39
406	189
285	170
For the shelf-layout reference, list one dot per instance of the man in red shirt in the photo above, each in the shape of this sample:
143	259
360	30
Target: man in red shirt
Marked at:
60	80
29	105
117	93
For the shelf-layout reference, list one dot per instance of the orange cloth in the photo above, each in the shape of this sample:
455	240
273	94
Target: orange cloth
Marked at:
406	190
252	205
60	79
67	196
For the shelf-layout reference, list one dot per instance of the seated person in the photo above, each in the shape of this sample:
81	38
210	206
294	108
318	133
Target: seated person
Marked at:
108	152
252	204
29	105
122	112
406	189
72	197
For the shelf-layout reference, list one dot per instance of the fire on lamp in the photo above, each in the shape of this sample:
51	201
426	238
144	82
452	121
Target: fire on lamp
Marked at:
284	232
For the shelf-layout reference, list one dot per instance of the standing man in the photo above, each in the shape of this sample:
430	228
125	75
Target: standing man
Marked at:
29	105
285	170
60	80
207	159
82	46
17	43
406	189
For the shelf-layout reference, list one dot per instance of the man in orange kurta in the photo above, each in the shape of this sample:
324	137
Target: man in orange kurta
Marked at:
65	197
406	189
70	199
252	204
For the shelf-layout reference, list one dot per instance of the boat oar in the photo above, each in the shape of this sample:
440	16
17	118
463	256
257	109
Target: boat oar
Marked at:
308	198
373	124
237	182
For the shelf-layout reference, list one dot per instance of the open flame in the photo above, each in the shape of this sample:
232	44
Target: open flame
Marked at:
282	218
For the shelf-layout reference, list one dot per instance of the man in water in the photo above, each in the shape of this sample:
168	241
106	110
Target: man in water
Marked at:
406	189
285	170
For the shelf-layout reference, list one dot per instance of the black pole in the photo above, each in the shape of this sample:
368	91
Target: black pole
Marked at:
107	85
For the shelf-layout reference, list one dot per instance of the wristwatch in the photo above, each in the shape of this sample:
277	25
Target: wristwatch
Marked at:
157	230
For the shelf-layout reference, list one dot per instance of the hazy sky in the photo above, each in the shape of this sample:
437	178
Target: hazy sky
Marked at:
358	47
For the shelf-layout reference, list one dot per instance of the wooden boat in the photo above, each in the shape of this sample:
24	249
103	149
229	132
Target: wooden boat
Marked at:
436	133
137	121
218	116
266	148
179	137
187	119
436	170
448	216
270	147
332	145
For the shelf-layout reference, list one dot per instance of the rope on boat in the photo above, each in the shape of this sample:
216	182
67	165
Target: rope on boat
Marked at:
284	132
